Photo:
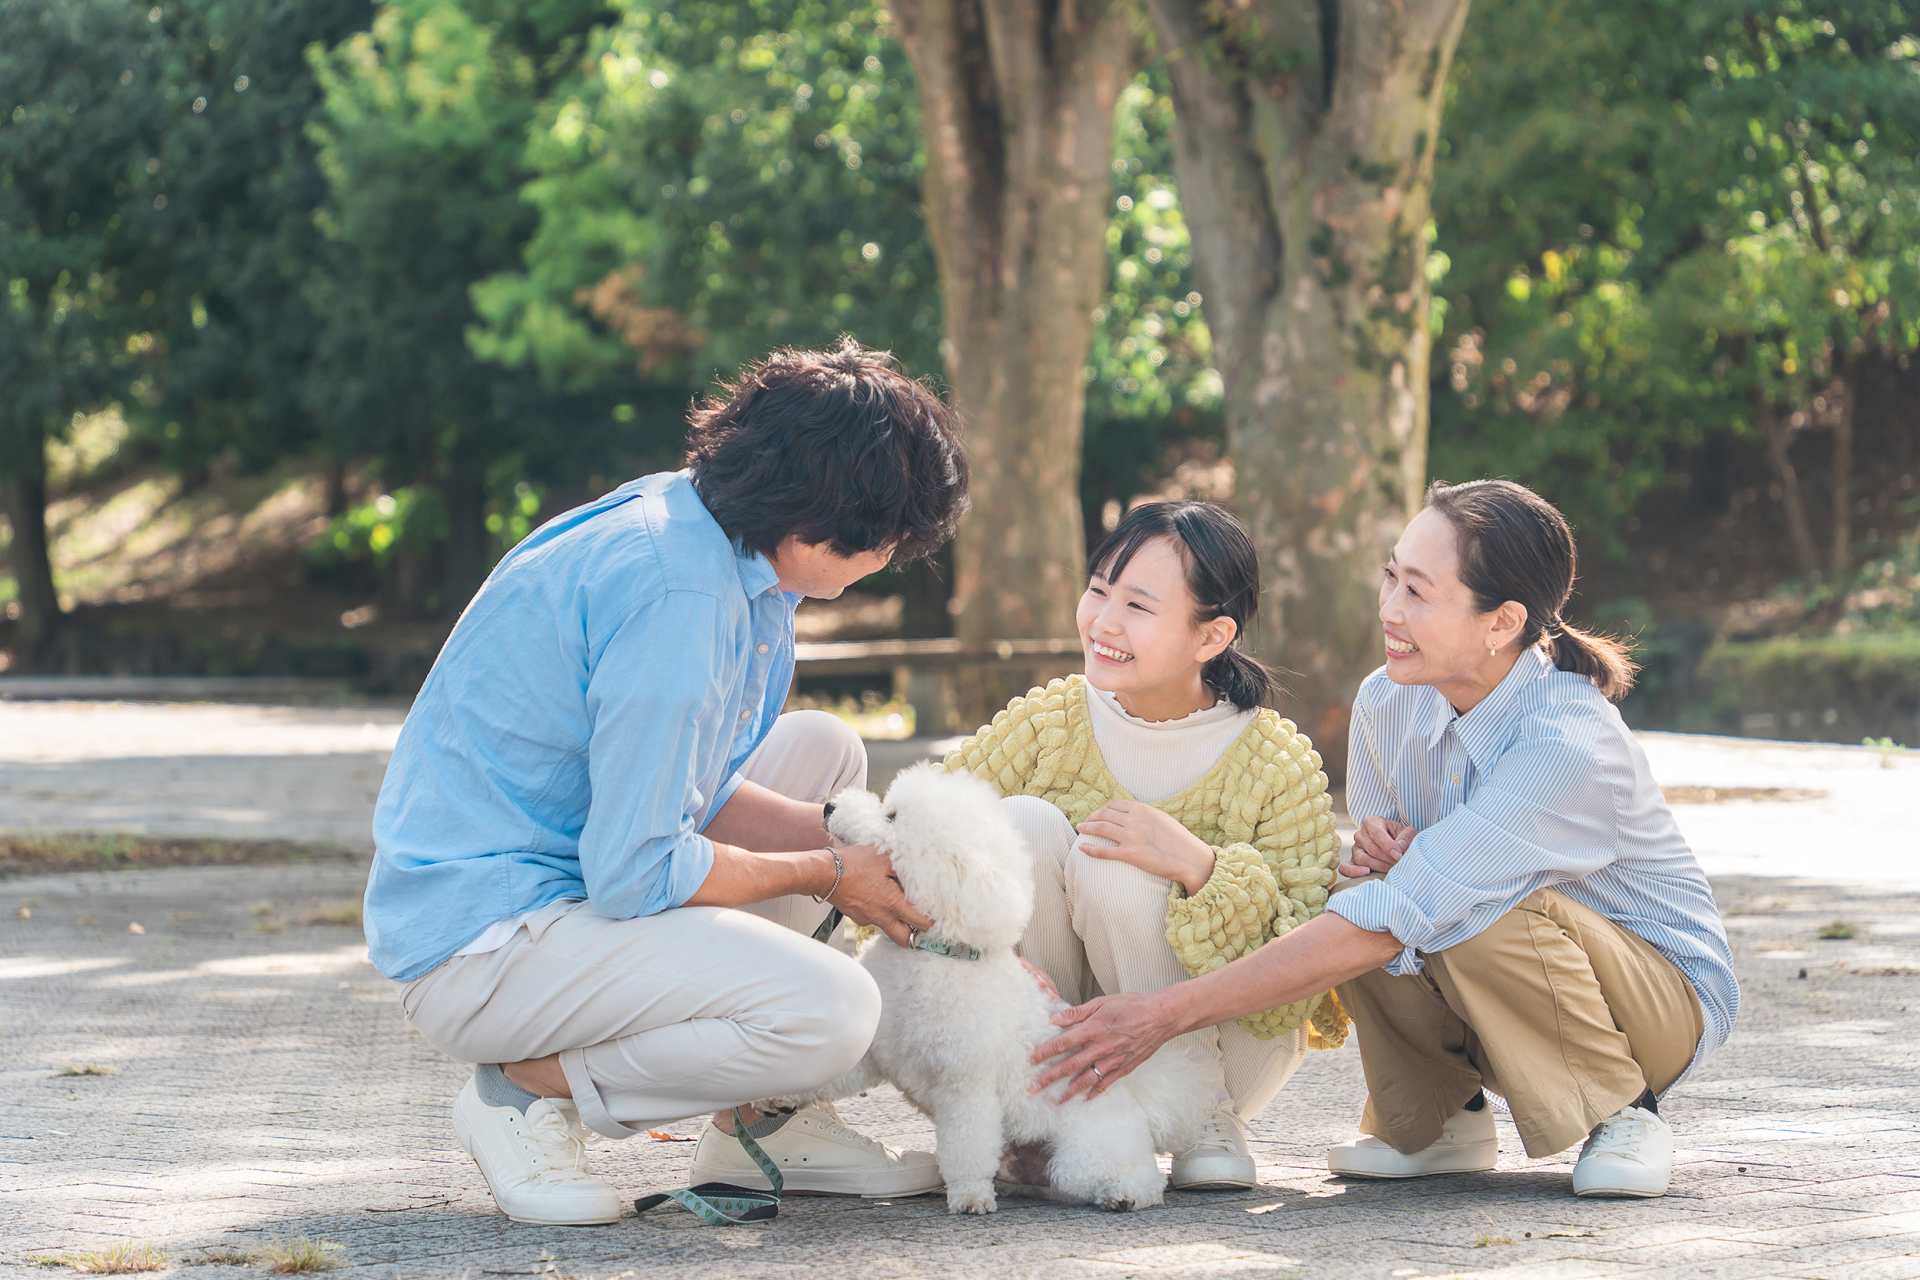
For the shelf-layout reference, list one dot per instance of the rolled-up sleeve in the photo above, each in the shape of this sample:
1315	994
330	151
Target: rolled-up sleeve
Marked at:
1546	813
652	706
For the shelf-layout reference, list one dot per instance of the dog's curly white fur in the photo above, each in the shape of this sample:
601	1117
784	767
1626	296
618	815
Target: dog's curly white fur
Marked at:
956	1035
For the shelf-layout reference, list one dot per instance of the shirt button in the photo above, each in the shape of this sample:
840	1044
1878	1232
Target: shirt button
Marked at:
763	648
1456	779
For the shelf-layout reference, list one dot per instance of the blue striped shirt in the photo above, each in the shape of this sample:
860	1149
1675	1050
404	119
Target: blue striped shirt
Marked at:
1539	786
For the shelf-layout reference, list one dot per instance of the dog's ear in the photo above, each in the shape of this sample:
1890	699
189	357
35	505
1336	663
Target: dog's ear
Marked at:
958	857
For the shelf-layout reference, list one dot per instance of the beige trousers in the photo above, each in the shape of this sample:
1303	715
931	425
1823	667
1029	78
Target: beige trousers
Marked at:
1100	926
689	1011
1565	1014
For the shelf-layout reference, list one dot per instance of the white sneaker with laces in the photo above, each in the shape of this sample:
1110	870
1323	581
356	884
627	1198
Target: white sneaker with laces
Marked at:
1630	1153
535	1162
1467	1144
815	1151
1219	1161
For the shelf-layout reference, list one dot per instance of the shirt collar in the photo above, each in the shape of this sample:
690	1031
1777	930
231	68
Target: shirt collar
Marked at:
756	571
1482	730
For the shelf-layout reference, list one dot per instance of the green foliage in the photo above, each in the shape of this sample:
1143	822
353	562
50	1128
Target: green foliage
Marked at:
412	516
1151	385
717	180
1836	688
1660	219
77	126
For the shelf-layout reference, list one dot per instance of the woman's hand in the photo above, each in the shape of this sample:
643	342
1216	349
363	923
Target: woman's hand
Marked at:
1377	845
1150	840
1104	1040
1040	977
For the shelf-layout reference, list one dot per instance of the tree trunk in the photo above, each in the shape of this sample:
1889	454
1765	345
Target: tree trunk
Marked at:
1778	436
1842	562
1303	143
23	497
1017	104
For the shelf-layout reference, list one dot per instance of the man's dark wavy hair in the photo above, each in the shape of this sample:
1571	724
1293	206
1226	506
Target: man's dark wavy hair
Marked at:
832	446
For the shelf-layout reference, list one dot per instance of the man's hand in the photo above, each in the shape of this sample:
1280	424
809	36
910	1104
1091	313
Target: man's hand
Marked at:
869	893
1104	1040
1151	840
1377	845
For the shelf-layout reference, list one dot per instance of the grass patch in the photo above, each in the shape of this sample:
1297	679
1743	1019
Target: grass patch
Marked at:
46	1260
297	1256
86	1069
344	914
116	1259
219	1255
1839	931
33	855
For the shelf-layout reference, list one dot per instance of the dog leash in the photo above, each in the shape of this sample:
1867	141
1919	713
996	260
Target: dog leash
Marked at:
721	1204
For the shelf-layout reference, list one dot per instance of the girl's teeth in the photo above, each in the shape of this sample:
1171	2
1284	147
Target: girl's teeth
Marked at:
1114	654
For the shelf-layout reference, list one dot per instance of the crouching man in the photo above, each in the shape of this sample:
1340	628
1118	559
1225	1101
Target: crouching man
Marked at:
601	847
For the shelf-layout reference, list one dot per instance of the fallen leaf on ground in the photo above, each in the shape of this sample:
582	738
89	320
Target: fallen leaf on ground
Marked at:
658	1136
1266	1208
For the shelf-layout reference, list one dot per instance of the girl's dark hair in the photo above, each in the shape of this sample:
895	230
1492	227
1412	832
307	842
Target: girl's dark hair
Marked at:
1223	573
834	446
1515	545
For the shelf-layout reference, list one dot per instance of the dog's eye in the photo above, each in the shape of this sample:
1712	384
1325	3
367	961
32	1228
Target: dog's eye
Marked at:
891	814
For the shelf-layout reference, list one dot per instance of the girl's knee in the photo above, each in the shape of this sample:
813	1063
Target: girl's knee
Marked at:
1038	822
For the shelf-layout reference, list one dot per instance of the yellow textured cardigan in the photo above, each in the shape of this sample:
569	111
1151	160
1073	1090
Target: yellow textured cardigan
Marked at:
1263	808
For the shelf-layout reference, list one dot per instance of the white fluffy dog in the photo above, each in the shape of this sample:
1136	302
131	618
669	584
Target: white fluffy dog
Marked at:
956	1032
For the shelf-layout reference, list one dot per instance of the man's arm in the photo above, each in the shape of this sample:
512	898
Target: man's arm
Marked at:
748	836
1117	1033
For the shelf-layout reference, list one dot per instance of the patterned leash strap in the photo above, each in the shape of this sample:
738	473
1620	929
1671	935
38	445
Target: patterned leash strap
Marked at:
721	1204
827	926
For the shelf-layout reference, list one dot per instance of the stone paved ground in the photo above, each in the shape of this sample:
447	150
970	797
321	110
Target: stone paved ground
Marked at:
263	1086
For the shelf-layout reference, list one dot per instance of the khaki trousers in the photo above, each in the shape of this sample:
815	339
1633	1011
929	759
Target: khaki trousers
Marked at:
689	1011
1565	1014
1100	926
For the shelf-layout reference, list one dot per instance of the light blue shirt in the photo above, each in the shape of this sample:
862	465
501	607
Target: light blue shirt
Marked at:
586	719
1539	786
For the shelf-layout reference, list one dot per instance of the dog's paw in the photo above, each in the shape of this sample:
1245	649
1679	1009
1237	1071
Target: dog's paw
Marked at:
970	1197
786	1104
1115	1204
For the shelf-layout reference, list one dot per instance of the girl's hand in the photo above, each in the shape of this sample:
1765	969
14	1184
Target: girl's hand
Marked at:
1104	1039
1377	845
1150	840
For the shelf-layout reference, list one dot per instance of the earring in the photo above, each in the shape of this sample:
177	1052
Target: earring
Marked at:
1492	652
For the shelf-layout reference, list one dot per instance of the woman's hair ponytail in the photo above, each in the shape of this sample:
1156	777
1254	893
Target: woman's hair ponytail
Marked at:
1515	545
1223	575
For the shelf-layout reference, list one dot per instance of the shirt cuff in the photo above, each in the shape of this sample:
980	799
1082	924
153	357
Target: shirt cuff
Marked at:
688	867
1378	906
719	801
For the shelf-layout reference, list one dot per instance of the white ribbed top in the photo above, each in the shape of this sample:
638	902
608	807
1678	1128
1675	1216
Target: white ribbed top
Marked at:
1154	759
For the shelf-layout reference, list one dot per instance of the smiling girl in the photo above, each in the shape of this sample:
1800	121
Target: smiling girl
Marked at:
1166	808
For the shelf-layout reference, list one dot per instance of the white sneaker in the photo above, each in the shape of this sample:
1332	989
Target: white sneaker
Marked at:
815	1151
1630	1153
1219	1161
534	1163
1467	1144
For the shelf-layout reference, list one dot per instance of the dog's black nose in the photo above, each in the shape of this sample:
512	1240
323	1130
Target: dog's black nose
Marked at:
826	810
